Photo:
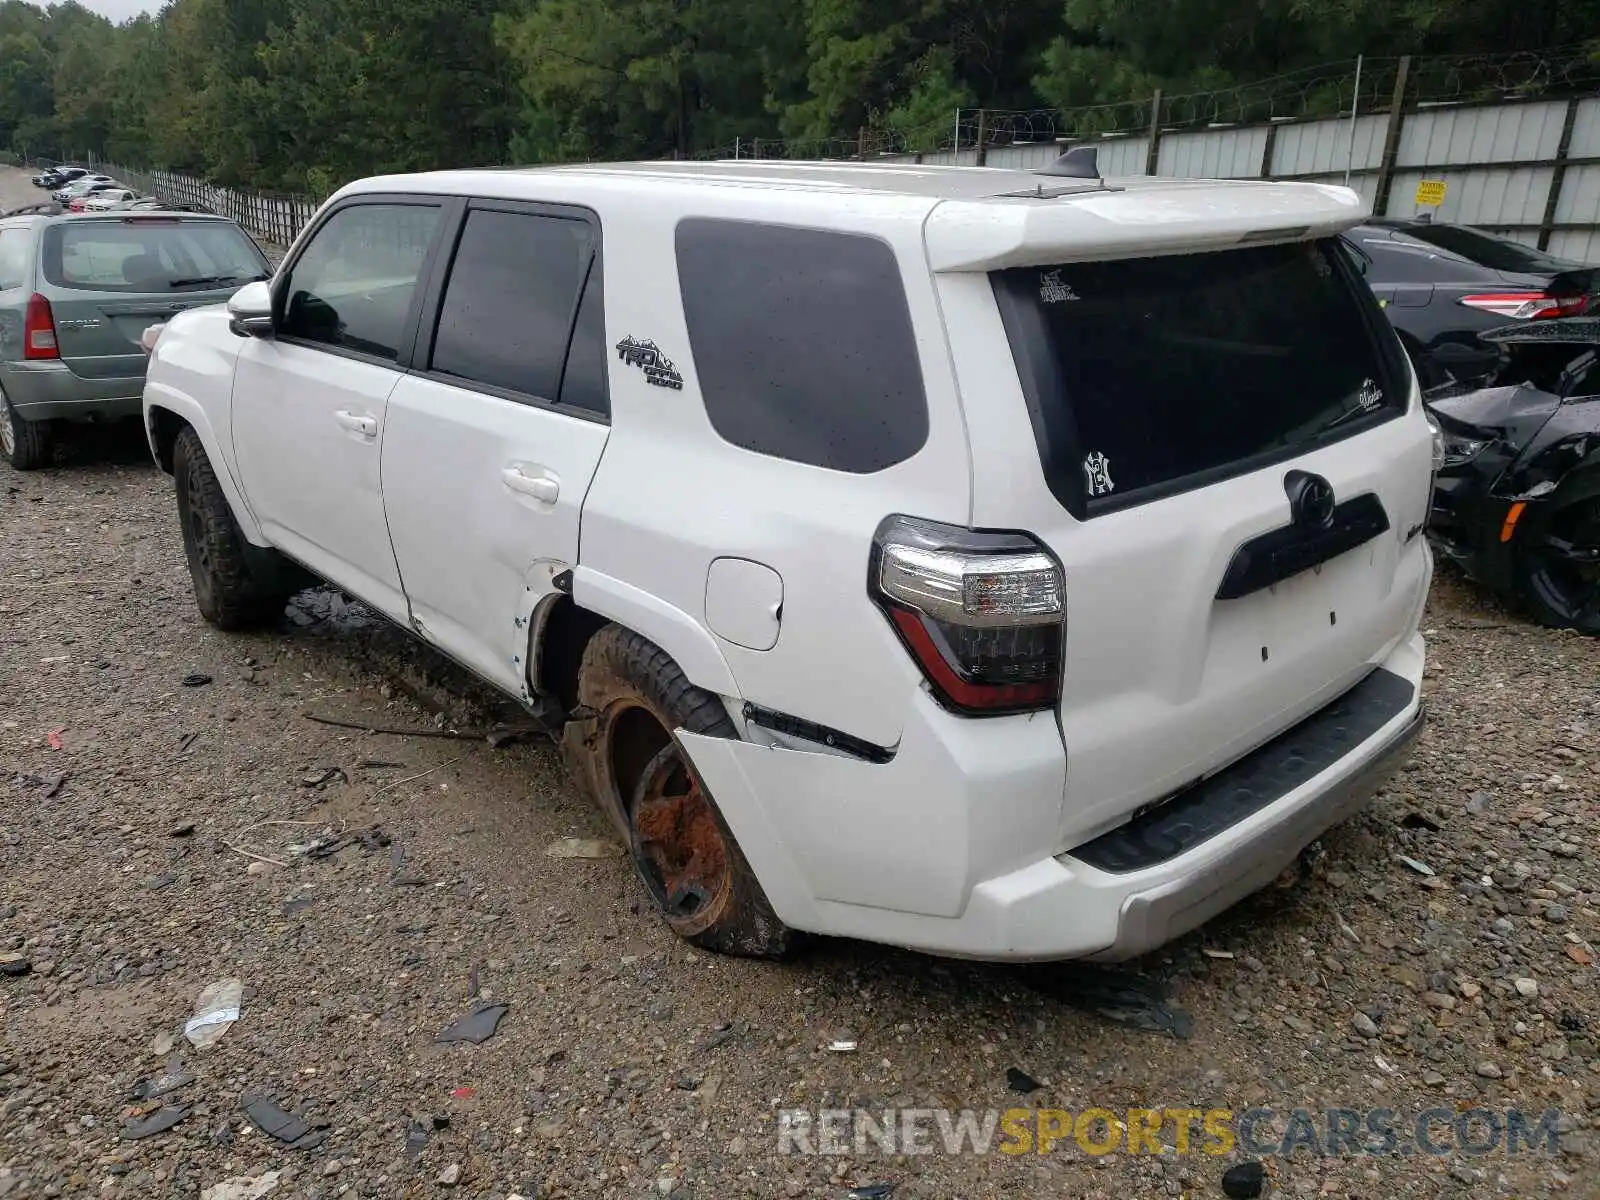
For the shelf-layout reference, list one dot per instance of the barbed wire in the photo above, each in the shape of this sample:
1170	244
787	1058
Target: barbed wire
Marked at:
1324	90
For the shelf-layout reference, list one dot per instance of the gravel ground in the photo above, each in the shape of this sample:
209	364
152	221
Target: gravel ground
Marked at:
135	821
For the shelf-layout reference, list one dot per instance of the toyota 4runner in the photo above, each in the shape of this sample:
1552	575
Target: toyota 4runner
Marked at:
1001	564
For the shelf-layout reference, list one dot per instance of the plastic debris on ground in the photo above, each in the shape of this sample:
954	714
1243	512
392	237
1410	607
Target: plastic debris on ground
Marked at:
1421	868
174	1077
1021	1082
843	1045
583	848
1245	1181
214	1012
479	1025
163	1119
242	1187
1119	995
871	1191
284	1126
196	680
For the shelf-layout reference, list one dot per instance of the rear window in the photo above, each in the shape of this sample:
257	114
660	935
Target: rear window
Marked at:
150	255
1496	253
1151	376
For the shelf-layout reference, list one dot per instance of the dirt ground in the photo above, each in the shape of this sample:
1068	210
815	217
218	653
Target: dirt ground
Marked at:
150	767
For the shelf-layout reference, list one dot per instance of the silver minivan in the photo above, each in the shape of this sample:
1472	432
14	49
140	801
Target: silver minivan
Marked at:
77	290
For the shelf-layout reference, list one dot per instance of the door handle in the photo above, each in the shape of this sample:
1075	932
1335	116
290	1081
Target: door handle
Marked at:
365	426
544	486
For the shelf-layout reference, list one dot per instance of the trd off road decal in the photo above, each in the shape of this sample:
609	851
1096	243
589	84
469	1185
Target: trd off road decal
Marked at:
1052	290
1097	474
658	368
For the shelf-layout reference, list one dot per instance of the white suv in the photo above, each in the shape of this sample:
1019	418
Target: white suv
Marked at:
1001	564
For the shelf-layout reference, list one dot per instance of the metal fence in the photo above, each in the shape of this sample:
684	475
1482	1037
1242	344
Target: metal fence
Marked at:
272	218
1514	139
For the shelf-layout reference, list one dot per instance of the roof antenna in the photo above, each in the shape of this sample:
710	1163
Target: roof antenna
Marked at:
1081	162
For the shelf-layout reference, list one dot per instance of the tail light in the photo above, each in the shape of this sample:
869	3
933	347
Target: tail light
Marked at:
1528	306
982	614
39	330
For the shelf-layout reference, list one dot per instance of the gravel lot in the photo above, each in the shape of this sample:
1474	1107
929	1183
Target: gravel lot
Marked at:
627	1065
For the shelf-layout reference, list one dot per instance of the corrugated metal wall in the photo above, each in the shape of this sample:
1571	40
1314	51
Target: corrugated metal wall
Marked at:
1498	163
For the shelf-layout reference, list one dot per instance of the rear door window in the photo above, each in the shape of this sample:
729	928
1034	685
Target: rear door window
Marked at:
164	255
802	343
511	302
1152	376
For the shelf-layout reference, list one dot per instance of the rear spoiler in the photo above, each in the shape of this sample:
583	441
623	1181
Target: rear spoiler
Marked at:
1578	331
1581	280
1141	219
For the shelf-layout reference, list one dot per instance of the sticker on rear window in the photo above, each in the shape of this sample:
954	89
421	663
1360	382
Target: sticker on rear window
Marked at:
658	368
1370	394
1097	474
1052	290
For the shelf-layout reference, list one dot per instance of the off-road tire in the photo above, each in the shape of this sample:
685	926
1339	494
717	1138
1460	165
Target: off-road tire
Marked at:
622	671
236	586
27	445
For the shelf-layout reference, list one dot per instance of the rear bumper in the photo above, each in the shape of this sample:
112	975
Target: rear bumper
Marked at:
1152	918
43	391
887	852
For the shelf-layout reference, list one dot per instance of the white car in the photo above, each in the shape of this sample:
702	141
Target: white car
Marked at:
109	198
1000	564
82	186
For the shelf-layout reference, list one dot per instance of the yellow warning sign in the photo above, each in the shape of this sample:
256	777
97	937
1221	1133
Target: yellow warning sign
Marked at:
1430	193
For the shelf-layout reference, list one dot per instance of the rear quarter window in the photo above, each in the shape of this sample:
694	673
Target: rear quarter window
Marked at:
14	246
802	343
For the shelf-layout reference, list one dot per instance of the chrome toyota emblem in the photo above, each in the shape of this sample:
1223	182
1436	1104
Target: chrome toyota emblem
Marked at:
1310	499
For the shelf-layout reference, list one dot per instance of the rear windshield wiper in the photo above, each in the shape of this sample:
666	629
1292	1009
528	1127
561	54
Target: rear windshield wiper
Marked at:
199	279
1349	414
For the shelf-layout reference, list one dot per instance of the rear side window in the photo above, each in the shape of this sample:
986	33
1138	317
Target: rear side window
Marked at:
1151	376
510	303
14	257
140	254
802	343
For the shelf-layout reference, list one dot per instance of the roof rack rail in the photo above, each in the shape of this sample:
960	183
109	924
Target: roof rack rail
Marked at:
50	208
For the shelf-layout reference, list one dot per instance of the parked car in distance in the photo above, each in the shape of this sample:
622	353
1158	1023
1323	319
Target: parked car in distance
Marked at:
1517	497
76	292
896	487
81	186
80	202
1443	285
55	177
103	199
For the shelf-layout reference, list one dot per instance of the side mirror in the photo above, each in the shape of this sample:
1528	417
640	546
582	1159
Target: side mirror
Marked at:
250	310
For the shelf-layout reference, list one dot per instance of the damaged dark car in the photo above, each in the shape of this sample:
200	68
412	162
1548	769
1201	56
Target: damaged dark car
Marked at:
1516	498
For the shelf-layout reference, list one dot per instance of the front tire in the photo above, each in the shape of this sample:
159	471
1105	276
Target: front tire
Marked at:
27	445
684	851
232	592
1558	567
